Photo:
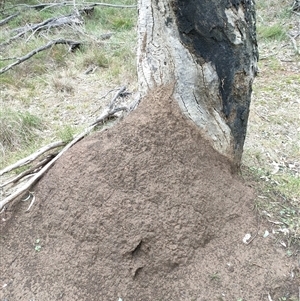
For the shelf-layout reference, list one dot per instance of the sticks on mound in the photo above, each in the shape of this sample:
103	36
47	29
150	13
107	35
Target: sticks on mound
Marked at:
33	174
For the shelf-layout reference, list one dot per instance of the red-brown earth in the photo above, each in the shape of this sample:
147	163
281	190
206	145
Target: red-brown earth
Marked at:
145	210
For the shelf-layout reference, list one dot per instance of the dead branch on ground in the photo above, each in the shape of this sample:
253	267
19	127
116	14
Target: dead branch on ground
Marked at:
30	171
39	170
70	19
7	19
32	157
73	45
39	174
43	6
294	43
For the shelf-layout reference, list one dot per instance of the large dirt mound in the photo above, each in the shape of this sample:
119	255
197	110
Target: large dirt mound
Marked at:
146	210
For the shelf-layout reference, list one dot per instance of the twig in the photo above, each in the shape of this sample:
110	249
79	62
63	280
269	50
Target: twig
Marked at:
112	5
7	19
39	174
68	3
31	203
8	58
72	44
294	44
46	24
119	92
25	29
269	297
32	157
275	223
252	238
32	170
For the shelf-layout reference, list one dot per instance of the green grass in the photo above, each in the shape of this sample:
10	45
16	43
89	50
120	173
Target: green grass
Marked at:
66	133
92	56
274	32
278	201
17	129
52	76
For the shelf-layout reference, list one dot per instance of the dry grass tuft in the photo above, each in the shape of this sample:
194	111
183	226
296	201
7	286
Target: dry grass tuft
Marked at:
17	129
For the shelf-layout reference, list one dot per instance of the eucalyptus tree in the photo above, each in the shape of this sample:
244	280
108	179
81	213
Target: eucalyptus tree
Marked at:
208	50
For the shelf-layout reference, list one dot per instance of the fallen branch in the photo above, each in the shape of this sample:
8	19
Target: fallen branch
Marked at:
72	44
40	171
106	115
112	102
46	24
8	58
32	157
68	3
29	171
294	43
7	19
112	5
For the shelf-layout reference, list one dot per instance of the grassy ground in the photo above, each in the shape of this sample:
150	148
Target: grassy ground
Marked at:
272	145
53	84
54	90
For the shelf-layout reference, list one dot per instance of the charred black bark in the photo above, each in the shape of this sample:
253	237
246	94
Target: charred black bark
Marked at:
204	29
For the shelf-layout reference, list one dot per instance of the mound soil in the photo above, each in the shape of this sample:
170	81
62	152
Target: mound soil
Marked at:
145	210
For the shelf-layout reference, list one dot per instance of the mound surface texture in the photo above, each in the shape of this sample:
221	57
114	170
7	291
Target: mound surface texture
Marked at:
145	210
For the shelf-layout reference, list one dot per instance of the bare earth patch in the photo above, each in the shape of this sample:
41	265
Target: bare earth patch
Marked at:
143	211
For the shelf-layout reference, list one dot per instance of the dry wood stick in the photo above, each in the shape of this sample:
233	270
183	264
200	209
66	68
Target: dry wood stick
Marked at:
36	6
35	51
119	92
52	22
32	157
69	3
29	171
294	43
46	24
39	174
7	19
24	30
111	5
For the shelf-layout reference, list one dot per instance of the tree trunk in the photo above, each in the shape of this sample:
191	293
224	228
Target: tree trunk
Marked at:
207	48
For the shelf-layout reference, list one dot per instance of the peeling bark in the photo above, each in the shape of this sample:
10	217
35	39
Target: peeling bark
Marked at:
208	50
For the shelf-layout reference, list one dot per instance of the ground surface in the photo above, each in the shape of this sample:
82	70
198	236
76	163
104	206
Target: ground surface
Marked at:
145	210
159	220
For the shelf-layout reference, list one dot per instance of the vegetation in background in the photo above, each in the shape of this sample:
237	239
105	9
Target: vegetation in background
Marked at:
272	148
64	89
17	129
52	84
